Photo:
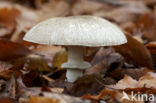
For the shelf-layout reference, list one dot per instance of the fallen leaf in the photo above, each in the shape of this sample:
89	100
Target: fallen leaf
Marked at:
5	70
61	84
17	18
146	25
10	90
86	84
90	52
7	100
64	98
5	31
8	17
27	19
101	61
128	27
54	8
110	96
59	59
48	52
57	90
126	82
43	100
11	50
138	38
136	73
5	66
127	13
102	95
151	46
80	7
6	74
150	3
135	52
36	62
32	78
148	80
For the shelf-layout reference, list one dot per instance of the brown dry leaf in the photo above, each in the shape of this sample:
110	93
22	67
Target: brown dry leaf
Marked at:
28	92
146	21
136	73
146	24
10	50
110	96
8	17
152	48
90	52
25	92
7	74
102	95
5	31
101	61
30	45
138	38
7	100
127	13
106	61
4	66
80	7
10	89
128	27
38	99
135	52
87	84
57	90
17	17
148	80
64	98
36	62
5	71
48	52
59	59
126	82
150	2
54	8
27	19
155	13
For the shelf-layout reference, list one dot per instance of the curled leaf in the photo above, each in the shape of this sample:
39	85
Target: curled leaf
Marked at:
11	50
135	52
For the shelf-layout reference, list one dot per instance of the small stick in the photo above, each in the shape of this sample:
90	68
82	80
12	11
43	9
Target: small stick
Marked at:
111	2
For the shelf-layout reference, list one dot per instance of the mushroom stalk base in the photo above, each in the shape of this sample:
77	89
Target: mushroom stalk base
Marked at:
75	64
73	74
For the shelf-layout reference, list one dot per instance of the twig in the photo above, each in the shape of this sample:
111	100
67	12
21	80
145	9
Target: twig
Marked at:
111	2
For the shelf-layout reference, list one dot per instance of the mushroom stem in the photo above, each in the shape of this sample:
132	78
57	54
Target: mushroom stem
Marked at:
73	74
75	54
75	64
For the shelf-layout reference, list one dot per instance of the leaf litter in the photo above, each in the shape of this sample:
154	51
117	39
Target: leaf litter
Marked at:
32	73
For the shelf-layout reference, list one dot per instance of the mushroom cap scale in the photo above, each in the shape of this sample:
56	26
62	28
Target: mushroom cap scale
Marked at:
76	30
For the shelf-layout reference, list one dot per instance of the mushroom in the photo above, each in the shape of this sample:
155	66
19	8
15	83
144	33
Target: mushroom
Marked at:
76	32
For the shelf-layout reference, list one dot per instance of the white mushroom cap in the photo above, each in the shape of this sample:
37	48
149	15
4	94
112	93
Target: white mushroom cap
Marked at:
76	30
